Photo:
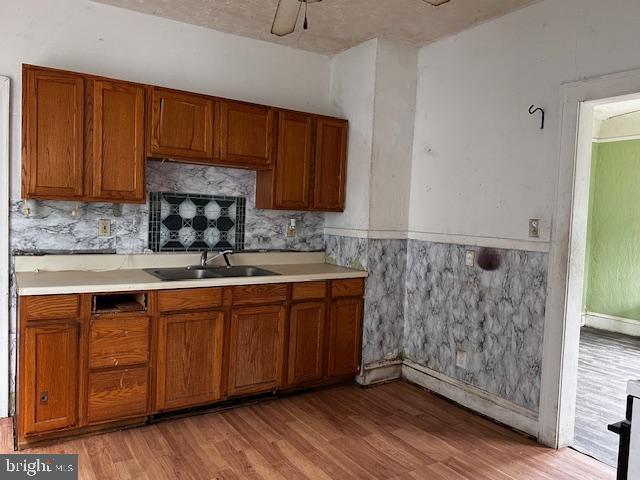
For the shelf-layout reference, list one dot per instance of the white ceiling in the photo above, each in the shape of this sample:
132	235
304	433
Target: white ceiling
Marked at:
334	25
610	110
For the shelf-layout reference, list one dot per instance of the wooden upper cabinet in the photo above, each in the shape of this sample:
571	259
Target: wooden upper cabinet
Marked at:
189	367
181	125
49	378
245	135
53	126
256	349
118	151
345	337
293	161
306	342
330	164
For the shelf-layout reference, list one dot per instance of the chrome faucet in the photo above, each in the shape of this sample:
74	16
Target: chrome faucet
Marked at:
225	254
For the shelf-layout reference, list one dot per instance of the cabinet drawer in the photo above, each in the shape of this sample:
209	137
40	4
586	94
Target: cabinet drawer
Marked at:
352	287
189	299
51	307
117	394
308	290
257	294
118	342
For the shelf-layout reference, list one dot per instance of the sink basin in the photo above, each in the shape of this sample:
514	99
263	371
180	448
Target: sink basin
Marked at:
176	274
242	271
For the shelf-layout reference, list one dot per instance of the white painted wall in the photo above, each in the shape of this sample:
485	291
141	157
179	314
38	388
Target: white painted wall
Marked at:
89	37
4	245
624	127
352	95
394	112
481	165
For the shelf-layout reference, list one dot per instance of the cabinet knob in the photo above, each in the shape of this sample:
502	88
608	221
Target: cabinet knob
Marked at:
44	397
115	361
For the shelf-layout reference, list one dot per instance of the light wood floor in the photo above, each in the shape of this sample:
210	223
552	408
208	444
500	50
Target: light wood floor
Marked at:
607	361
394	431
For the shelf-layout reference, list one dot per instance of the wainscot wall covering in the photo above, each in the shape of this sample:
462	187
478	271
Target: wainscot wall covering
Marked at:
423	304
52	227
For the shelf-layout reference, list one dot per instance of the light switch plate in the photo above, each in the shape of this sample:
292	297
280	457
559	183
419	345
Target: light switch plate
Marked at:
470	258
534	227
104	227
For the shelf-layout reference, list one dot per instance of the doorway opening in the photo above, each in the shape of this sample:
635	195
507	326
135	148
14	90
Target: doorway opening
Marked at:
609	343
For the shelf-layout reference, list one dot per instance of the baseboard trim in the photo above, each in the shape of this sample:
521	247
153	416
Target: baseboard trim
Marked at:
612	323
380	372
473	398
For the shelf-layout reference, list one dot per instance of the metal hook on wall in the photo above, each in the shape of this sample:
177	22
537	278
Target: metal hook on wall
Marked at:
532	111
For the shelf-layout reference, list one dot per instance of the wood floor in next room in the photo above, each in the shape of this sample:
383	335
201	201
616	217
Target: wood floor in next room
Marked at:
392	431
607	361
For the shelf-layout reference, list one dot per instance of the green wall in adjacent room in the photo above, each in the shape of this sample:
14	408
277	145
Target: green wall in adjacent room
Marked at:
612	284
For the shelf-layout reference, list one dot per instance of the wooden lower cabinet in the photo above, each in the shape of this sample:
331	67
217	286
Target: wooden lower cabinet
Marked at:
189	366
185	348
48	384
306	342
345	337
117	394
256	349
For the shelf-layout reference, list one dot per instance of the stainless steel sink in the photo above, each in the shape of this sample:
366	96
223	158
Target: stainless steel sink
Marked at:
197	273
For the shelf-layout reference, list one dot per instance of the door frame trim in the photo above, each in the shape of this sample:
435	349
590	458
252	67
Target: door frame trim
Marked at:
5	93
566	256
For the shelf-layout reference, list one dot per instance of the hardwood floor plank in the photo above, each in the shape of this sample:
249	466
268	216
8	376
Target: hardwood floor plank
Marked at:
394	431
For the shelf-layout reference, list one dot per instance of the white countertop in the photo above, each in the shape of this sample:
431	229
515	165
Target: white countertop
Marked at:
122	280
633	388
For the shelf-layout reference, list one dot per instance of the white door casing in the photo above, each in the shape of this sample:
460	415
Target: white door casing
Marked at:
4	245
566	256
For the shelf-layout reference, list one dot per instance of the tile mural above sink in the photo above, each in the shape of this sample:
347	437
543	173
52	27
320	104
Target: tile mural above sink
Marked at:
185	222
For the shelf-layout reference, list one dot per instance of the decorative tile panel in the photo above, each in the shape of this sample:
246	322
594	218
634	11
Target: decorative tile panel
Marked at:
184	222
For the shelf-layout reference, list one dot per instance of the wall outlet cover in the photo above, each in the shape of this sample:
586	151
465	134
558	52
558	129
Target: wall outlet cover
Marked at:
104	227
534	227
461	359
470	258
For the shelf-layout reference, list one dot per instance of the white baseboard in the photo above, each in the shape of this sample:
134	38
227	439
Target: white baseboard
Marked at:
471	397
611	323
380	372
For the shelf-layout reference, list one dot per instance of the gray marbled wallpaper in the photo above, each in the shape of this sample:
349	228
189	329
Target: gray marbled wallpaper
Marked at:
497	318
385	289
51	226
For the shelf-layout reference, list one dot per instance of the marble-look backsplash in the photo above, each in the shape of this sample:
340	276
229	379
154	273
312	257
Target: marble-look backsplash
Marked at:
51	225
496	317
384	294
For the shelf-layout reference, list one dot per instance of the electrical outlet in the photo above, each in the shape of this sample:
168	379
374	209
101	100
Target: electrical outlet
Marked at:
461	359
470	258
104	227
534	227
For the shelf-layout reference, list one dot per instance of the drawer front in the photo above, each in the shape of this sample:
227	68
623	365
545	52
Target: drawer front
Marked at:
117	342
352	287
51	307
189	299
259	294
308	291
117	394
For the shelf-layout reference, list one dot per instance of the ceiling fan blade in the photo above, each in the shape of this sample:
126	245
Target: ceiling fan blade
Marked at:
437	3
286	17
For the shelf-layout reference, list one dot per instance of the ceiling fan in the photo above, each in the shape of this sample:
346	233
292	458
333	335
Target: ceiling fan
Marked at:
288	11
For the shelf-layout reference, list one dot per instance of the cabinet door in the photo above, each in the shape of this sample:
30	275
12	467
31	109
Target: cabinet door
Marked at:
246	134
117	394
293	161
118	157
330	164
48	393
53	126
256	349
189	359
345	337
306	342
181	125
